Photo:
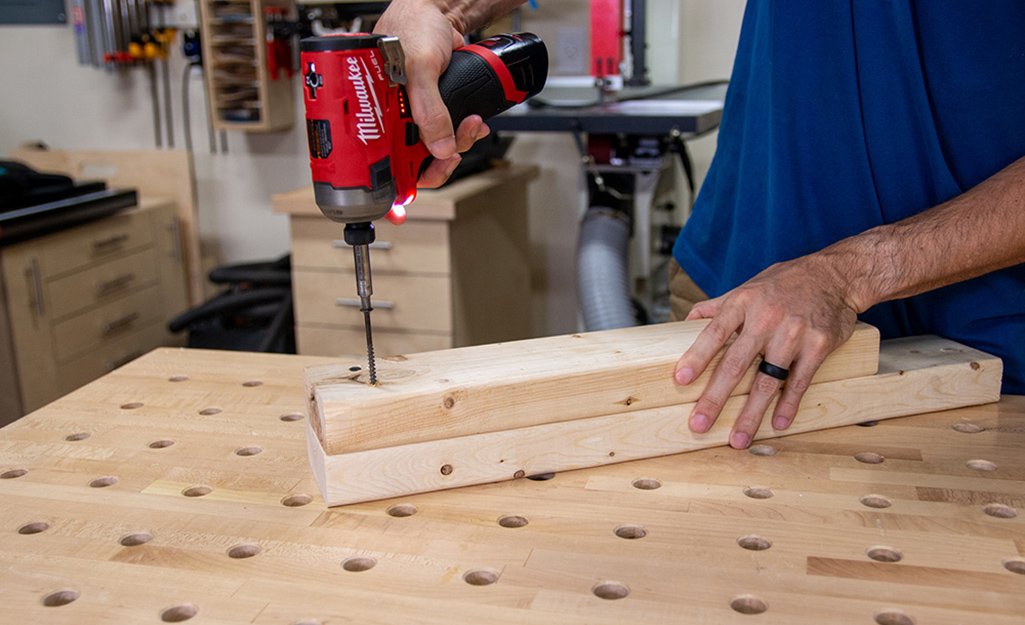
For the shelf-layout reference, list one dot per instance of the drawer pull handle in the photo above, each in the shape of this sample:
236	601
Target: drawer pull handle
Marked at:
116	283
355	303
37	286
124	360
376	245
120	323
176	239
112	243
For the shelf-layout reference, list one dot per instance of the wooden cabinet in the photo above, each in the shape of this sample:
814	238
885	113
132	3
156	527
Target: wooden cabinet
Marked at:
81	302
241	92
456	273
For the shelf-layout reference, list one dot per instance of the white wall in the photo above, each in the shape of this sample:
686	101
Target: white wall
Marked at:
46	96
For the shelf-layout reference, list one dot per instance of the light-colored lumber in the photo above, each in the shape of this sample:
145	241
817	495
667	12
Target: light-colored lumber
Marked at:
488	388
916	375
686	569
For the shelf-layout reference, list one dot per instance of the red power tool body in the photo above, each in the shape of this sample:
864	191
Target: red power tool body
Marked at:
365	149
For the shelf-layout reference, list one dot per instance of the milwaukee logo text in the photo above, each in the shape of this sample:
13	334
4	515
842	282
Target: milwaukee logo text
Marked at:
368	114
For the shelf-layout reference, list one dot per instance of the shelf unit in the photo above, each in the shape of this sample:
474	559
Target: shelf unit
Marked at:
241	94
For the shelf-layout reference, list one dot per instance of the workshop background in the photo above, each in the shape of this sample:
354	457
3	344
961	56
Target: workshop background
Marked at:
47	96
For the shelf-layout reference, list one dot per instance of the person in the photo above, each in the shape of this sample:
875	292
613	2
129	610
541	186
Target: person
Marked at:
869	165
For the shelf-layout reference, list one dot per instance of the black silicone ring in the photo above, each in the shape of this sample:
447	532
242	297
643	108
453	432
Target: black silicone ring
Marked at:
773	371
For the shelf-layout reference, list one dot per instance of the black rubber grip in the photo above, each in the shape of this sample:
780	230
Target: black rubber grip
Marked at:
471	86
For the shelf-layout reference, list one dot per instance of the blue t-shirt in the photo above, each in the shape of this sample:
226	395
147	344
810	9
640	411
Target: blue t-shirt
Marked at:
843	116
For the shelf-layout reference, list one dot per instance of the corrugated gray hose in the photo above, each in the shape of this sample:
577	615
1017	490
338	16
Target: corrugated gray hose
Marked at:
603	275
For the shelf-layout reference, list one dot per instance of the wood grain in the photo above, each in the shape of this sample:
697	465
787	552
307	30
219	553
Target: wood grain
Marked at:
446	394
687	568
948	376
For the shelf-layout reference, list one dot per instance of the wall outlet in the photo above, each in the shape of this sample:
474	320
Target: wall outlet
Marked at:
182	14
571	51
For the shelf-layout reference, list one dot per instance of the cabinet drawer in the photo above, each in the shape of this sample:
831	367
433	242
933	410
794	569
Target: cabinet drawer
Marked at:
344	342
101	284
95	242
108	357
107	323
417	246
400	301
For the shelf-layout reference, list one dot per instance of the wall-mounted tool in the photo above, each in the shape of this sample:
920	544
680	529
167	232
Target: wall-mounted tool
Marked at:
119	35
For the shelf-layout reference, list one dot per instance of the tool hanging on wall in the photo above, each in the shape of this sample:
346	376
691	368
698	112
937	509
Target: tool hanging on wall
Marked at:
119	35
280	33
192	50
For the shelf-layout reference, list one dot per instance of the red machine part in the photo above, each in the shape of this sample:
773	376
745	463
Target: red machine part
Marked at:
606	37
279	49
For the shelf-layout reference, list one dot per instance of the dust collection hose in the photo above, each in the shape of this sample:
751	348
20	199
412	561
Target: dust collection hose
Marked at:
603	275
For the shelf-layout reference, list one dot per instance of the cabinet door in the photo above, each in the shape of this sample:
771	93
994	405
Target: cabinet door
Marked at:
30	316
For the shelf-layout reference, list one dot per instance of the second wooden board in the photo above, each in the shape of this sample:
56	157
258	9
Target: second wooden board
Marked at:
916	375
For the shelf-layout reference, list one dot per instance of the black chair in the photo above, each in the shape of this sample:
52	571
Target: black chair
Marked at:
253	314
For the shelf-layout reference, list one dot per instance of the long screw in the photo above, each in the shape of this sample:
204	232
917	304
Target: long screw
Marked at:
370	346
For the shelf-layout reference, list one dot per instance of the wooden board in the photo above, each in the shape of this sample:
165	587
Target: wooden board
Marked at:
154	173
916	375
471	390
549	545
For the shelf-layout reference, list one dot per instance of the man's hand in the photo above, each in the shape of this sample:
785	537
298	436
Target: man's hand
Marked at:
793	315
796	313
428	37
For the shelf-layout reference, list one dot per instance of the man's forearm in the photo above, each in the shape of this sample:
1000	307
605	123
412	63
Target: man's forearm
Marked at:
469	15
975	233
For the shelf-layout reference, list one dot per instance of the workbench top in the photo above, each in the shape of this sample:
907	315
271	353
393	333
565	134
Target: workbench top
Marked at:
177	489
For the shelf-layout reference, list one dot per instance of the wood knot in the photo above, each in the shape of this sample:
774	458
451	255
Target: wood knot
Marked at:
446	469
519	474
629	401
975	366
449	403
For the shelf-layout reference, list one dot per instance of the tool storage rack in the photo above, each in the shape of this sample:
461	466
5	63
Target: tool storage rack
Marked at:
241	93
